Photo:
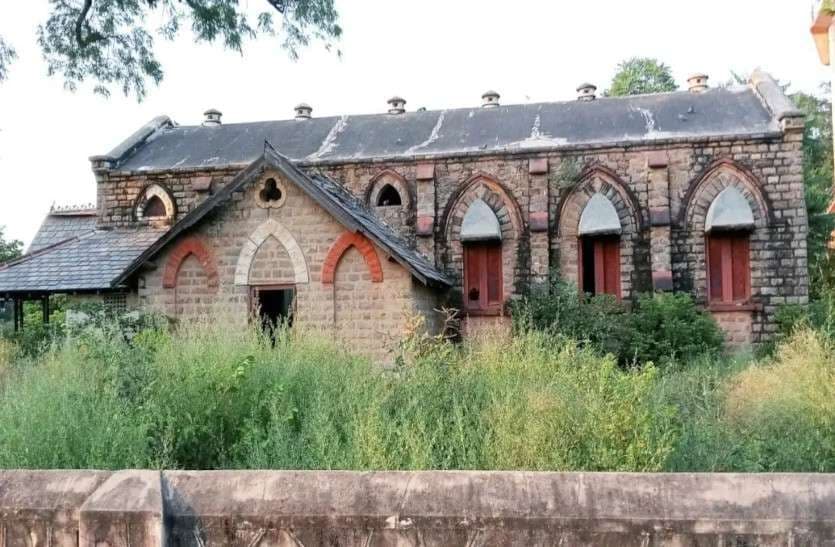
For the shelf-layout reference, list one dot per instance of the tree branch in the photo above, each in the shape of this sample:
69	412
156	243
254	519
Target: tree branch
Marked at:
279	5
79	25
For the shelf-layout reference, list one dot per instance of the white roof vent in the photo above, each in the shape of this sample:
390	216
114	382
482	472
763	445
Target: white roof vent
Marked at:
490	99
397	105
303	111
212	117
697	83
586	92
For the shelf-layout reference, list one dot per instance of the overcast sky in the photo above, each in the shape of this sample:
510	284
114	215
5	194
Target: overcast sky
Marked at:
434	53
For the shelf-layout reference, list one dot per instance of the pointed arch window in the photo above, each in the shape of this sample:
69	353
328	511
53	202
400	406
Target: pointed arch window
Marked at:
481	237
599	247
728	225
154	208
389	196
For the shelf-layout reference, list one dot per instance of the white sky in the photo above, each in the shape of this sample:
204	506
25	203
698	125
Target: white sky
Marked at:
434	53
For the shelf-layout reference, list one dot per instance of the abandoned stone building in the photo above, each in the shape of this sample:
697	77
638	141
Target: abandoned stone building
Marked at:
348	225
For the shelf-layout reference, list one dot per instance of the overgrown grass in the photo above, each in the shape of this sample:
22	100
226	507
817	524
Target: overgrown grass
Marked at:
209	398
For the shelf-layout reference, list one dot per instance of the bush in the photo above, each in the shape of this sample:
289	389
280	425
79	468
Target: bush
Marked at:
202	398
659	329
666	327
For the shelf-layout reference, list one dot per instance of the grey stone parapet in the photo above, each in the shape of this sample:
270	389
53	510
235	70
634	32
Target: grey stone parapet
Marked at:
381	509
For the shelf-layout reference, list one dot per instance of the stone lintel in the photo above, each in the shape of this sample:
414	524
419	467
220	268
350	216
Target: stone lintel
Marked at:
657	159
538	166
425	171
539	221
201	184
425	225
659	216
662	280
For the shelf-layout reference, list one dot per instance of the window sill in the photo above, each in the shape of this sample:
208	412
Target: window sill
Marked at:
734	306
484	313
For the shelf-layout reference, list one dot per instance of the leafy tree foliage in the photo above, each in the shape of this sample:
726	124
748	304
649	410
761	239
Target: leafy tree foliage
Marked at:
817	180
111	42
640	75
9	249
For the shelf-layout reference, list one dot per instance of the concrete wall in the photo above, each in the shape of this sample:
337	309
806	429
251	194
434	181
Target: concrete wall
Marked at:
381	509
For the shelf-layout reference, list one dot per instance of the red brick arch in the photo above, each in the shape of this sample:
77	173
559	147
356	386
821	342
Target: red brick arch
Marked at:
342	244
190	246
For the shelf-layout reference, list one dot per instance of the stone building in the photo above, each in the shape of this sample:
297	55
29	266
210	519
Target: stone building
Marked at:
349	224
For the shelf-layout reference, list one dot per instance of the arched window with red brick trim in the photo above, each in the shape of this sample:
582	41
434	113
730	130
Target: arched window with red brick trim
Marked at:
481	238
728	223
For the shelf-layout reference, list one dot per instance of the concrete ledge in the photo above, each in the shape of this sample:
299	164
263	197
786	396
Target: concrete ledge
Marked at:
184	508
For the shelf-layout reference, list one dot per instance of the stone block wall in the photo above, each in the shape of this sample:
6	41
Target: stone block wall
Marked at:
382	509
363	301
661	193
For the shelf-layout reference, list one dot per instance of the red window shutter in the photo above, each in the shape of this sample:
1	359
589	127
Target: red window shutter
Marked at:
494	275
482	276
714	260
729	271
611	266
741	269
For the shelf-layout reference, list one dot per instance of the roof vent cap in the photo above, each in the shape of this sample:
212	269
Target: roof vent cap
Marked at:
303	111
490	99
397	105
697	83
586	92
212	117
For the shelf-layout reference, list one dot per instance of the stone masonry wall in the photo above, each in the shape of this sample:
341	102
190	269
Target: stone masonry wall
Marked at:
388	509
659	189
250	246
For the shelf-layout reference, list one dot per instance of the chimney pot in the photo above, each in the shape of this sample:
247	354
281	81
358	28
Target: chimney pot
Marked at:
697	83
212	117
490	99
303	111
586	92
397	105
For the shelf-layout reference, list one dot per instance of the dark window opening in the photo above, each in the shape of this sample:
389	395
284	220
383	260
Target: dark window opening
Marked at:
155	208
388	196
483	277
274	307
271	191
600	265
729	272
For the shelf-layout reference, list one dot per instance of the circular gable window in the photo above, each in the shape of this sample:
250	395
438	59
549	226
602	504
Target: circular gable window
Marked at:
272	194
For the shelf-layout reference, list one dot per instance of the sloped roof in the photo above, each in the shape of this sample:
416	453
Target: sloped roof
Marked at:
330	195
60	226
92	261
739	111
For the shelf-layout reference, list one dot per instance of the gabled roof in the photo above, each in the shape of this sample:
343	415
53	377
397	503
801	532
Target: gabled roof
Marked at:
330	195
753	110
63	224
92	261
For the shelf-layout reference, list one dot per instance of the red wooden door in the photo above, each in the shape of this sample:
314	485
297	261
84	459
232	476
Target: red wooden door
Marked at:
483	277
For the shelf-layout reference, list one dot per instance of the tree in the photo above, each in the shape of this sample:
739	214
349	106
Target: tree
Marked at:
111	42
9	249
640	75
818	182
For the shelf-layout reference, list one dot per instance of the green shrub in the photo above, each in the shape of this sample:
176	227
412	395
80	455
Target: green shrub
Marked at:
664	327
559	308
660	328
